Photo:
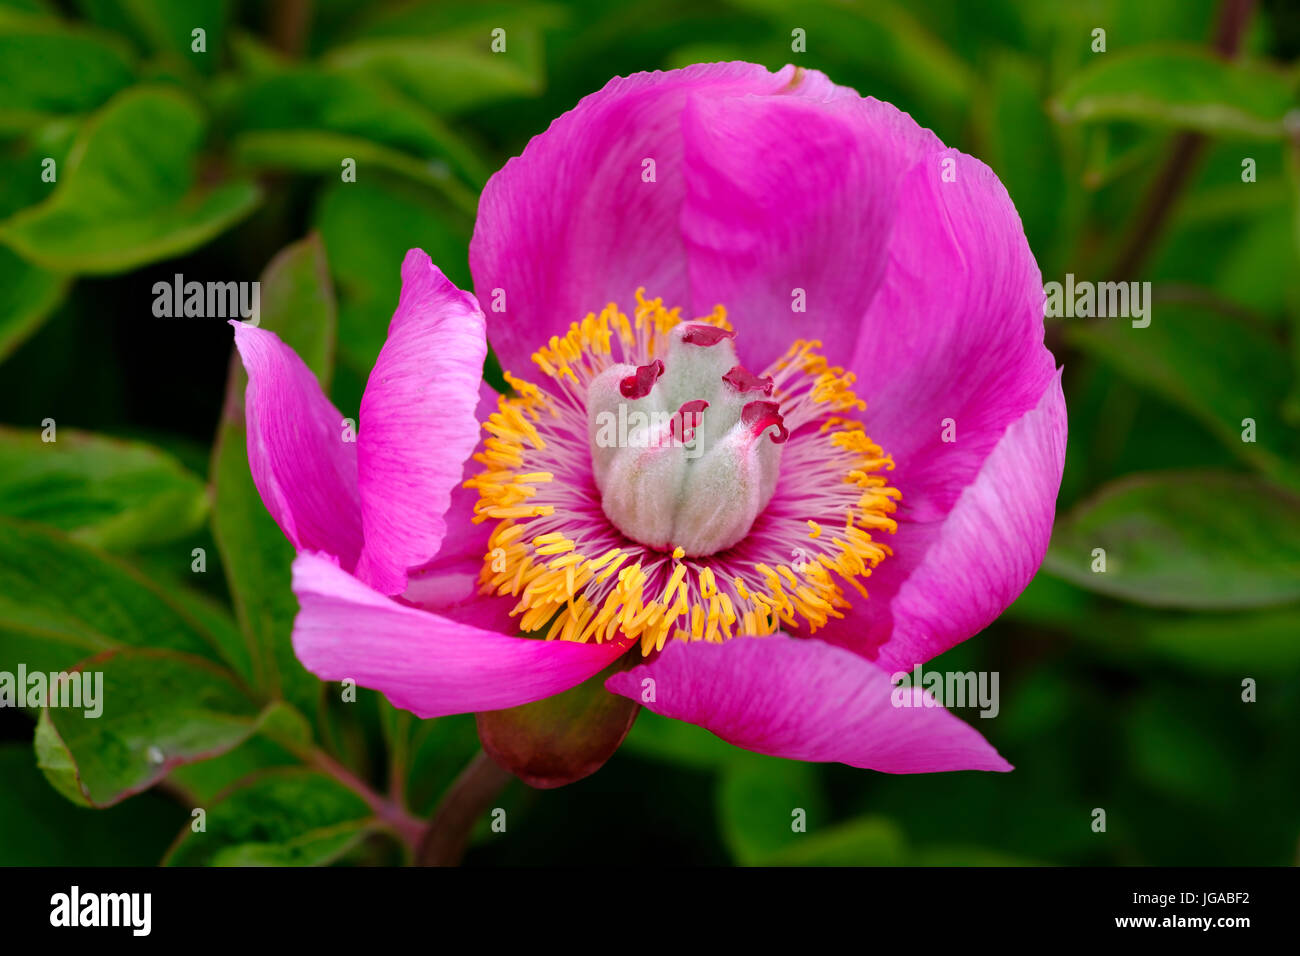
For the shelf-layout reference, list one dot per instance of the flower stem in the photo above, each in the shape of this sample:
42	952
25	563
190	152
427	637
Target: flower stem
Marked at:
290	26
399	748
409	828
467	799
1184	156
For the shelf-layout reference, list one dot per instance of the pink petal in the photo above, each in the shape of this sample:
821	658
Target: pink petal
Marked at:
304	470
448	584
421	661
951	577
789	202
417	422
955	332
570	225
805	700
465	540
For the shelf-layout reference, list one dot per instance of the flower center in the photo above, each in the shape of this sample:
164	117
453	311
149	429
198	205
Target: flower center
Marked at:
668	492
686	450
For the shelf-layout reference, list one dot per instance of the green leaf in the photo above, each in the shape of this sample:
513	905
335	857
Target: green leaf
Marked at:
164	26
198	784
1225	644
312	119
902	46
213	616
1023	148
1185	539
960	855
25	163
160	709
1185	88
323	152
282	818
285	725
53	760
105	492
469	22
448	76
1291	408
761	801
49	70
19	9
61	602
870	841
441	55
255	56
128	196
283	738
1222	371
436	753
1177	745
1110	153
677	742
36	830
716	51
1256	274
28	294
297	305
368	226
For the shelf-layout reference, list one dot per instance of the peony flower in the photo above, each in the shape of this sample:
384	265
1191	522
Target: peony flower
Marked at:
782	425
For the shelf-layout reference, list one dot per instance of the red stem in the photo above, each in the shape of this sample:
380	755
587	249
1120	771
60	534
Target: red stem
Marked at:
467	800
1184	155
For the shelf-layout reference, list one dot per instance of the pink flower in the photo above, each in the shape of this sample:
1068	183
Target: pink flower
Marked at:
692	505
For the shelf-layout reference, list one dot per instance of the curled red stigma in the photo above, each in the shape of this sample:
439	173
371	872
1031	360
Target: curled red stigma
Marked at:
761	415
638	384
694	408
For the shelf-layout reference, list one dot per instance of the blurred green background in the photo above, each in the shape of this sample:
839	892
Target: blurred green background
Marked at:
1121	691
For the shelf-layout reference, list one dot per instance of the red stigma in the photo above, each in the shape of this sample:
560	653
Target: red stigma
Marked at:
694	408
638	384
762	415
743	380
705	335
